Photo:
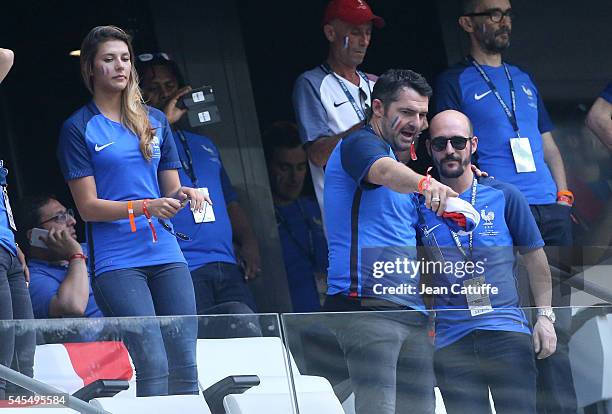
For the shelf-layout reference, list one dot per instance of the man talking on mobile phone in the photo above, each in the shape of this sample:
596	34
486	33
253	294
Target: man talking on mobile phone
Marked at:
59	281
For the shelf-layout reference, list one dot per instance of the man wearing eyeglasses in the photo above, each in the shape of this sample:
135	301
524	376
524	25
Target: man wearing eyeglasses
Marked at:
516	146
331	100
219	283
483	340
59	280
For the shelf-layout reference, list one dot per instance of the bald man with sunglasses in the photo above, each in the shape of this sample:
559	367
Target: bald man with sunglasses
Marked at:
483	340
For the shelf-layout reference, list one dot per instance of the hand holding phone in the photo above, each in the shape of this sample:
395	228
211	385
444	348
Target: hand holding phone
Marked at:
35	237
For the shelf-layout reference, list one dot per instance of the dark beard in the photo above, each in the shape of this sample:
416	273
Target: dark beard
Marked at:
494	45
444	172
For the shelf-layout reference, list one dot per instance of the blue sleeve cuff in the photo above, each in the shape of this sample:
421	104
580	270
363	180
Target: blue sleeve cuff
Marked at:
172	165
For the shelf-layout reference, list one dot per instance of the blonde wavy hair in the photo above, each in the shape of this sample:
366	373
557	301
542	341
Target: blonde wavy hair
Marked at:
133	110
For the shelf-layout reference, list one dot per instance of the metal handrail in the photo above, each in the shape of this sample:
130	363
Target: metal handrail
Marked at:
41	388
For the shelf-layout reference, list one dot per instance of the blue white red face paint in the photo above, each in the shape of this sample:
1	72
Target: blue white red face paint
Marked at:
346	42
395	124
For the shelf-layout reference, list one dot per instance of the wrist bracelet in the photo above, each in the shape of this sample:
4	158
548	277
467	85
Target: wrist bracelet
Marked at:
130	206
566	196
77	256
148	216
424	182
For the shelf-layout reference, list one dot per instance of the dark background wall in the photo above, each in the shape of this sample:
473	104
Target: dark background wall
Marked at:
251	52
565	44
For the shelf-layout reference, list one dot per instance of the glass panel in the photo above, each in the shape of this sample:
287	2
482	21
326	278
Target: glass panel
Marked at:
167	355
371	361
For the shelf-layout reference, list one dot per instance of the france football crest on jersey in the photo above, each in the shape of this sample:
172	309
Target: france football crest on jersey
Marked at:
155	150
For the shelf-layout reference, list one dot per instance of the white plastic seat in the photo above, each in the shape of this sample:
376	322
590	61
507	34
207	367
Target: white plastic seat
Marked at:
265	357
53	367
309	403
169	404
38	410
590	353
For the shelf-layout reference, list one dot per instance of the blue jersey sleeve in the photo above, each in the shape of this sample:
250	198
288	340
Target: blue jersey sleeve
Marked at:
523	228
447	93
358	152
169	155
607	93
74	159
309	111
43	287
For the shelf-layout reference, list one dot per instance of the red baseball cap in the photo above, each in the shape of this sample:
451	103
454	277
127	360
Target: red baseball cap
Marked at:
355	12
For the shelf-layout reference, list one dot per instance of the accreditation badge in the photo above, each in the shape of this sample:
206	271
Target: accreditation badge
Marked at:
477	296
523	157
207	215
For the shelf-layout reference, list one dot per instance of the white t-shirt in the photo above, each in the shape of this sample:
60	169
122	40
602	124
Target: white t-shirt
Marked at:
323	109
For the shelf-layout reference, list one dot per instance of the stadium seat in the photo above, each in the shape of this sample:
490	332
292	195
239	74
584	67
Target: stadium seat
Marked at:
590	352
38	410
70	367
267	358
179	404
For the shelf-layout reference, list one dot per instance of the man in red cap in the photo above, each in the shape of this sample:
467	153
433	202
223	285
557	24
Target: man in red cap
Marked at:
332	99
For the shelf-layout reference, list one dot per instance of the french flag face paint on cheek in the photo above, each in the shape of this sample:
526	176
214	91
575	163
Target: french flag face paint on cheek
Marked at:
395	124
346	42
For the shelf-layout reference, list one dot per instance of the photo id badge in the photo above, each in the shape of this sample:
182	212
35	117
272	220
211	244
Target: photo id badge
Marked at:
477	296
523	157
207	215
9	211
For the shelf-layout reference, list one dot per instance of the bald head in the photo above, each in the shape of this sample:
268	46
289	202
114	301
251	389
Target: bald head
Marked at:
450	123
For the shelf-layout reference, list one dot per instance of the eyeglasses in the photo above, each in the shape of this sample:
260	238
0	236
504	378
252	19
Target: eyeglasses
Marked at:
496	15
59	218
147	57
439	143
171	230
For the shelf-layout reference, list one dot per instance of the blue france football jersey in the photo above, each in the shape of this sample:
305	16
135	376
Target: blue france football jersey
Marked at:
462	88
212	241
7	238
506	223
45	280
90	144
368	225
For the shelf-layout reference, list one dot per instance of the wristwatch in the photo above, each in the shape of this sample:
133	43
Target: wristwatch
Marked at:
547	312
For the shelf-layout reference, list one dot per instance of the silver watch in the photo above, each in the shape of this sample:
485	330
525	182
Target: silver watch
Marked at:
547	312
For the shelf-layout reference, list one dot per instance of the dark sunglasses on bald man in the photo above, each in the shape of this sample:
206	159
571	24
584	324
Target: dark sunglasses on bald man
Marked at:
458	142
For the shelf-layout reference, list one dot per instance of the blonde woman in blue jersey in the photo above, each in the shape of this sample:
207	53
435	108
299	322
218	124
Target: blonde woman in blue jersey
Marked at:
15	350
120	162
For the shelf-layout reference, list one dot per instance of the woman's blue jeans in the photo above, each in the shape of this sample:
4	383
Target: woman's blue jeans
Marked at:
163	349
17	341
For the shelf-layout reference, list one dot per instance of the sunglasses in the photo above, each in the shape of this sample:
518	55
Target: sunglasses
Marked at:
170	229
147	57
439	143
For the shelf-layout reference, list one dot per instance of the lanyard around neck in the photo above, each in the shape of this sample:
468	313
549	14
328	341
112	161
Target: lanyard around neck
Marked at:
358	110
471	237
510	112
188	163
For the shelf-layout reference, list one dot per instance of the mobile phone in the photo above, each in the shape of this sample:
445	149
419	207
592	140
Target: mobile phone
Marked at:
200	96
35	236
204	115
